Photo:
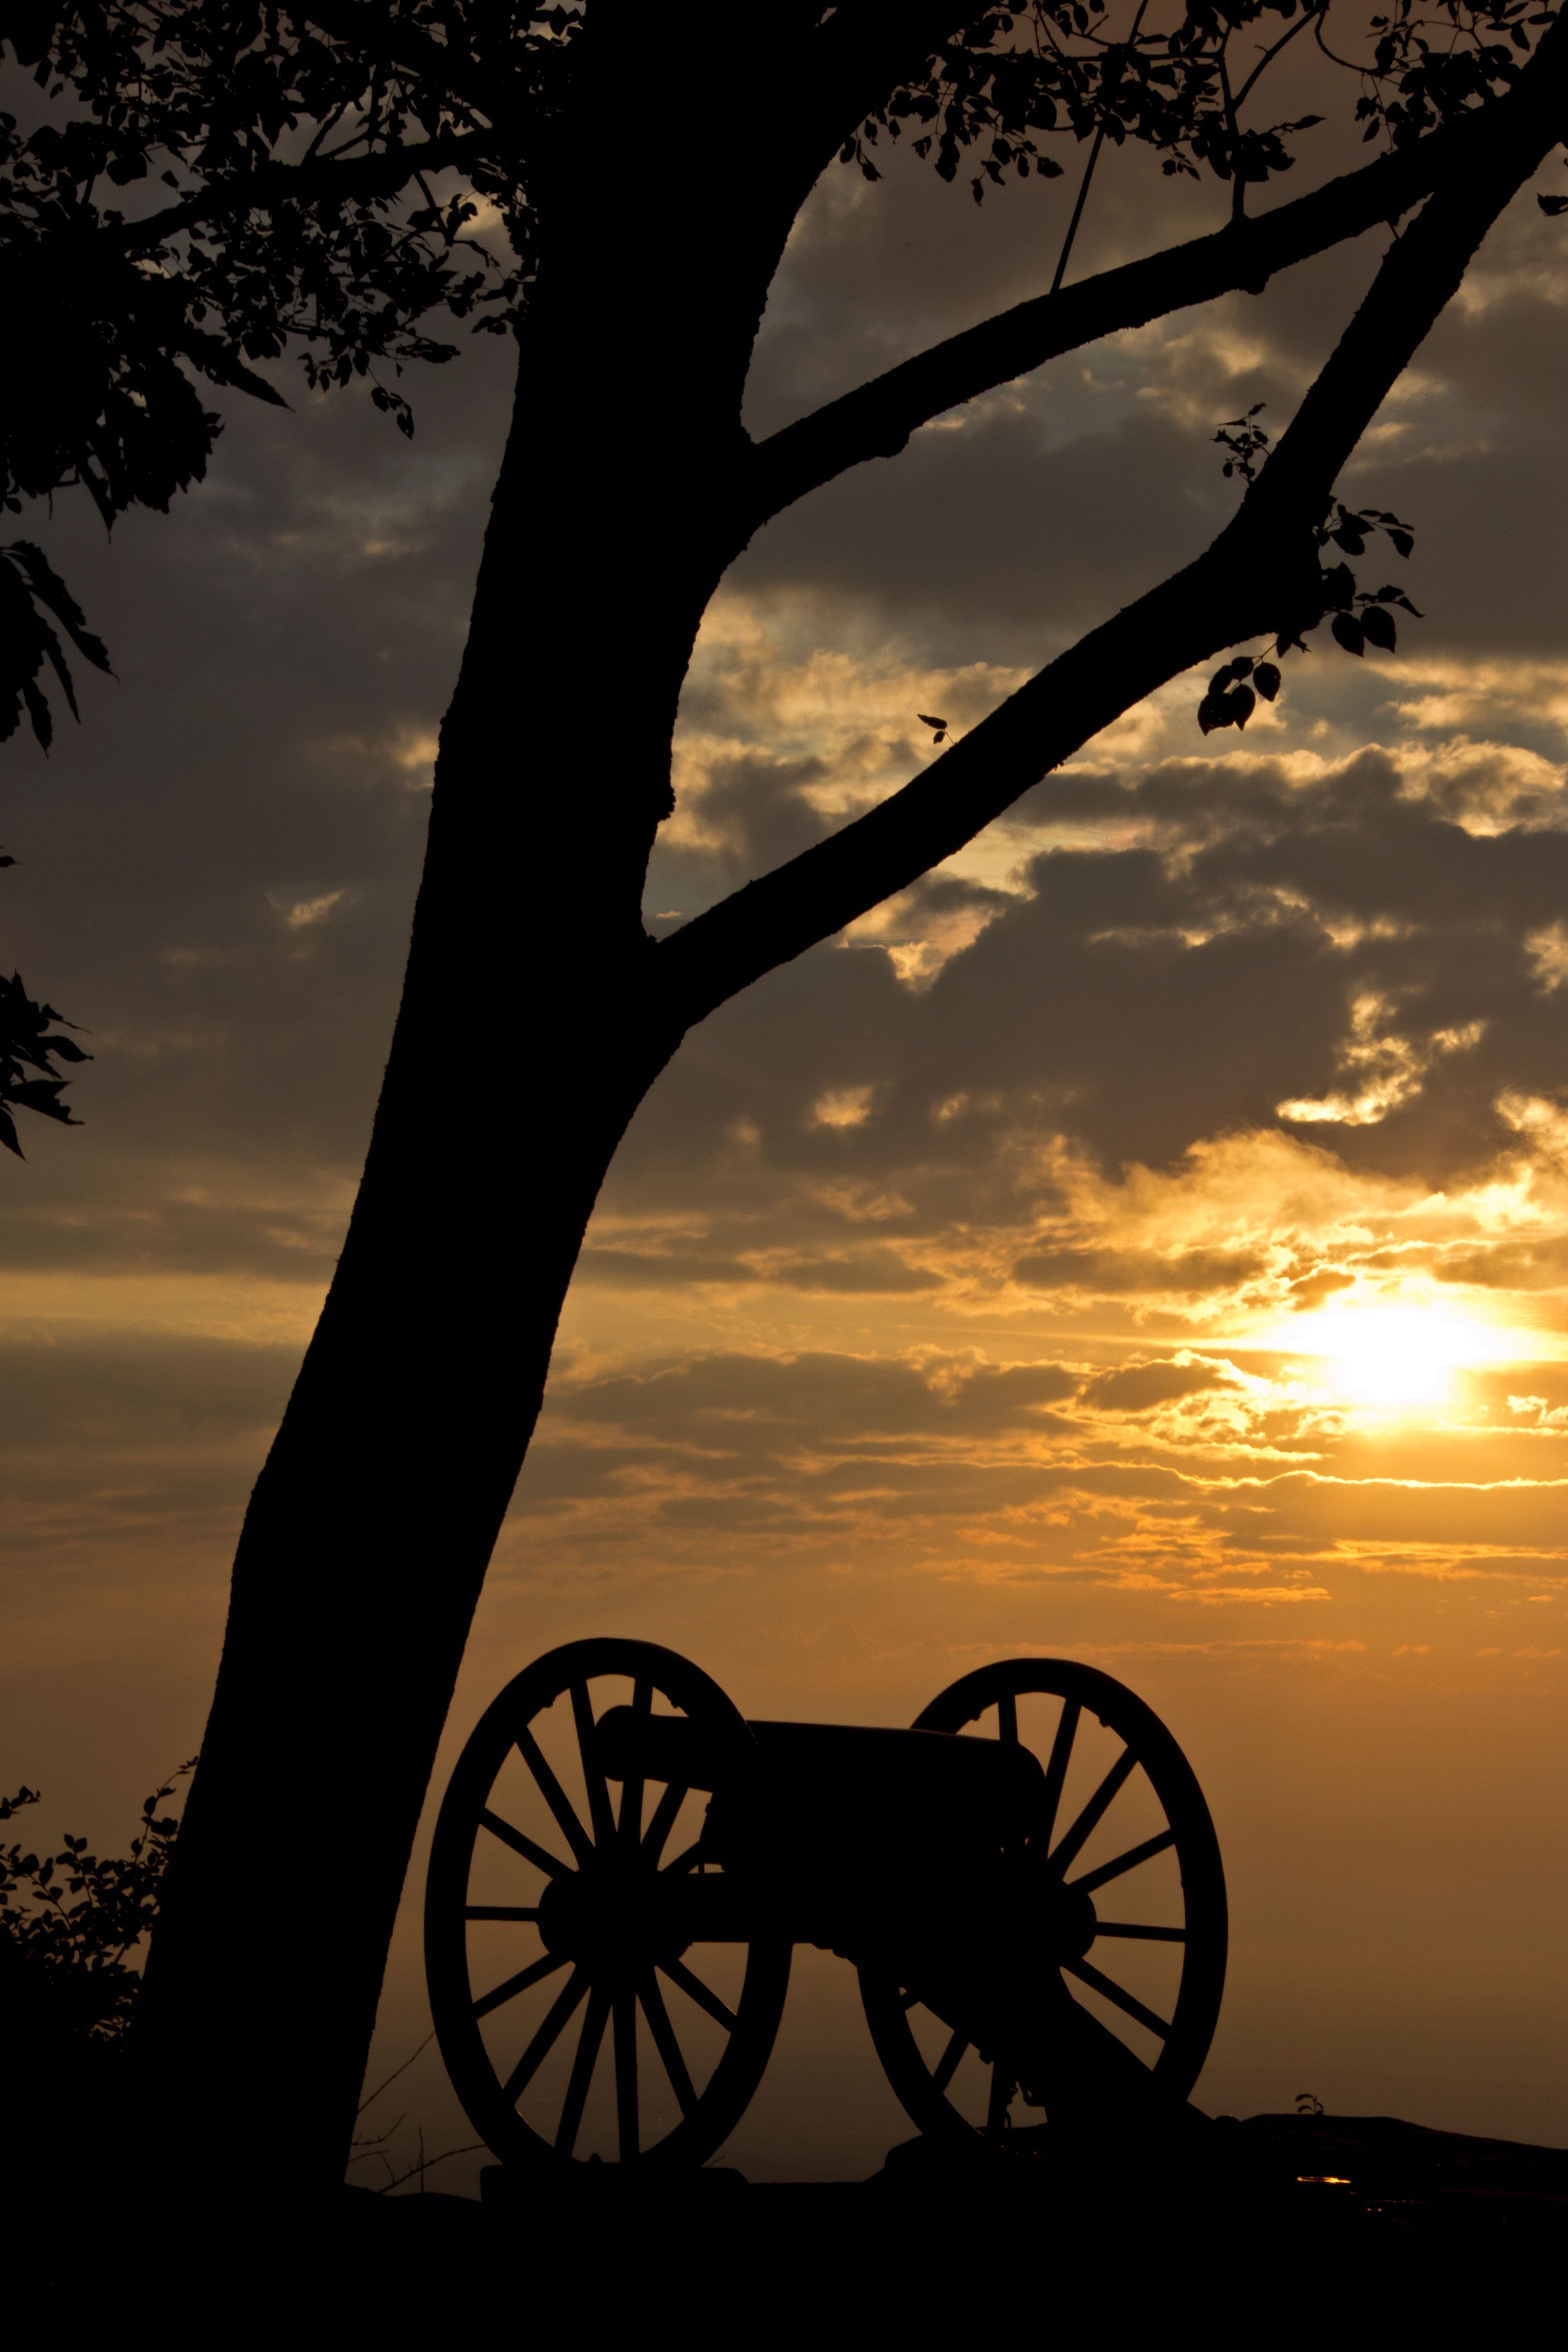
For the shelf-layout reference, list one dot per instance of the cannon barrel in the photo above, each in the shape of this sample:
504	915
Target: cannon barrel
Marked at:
910	1781
670	1747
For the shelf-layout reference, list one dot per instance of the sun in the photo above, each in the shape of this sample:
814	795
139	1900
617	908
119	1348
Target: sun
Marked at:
1396	1355
1395	1358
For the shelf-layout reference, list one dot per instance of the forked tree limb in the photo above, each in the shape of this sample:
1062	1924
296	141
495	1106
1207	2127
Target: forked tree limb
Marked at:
1261	572
877	418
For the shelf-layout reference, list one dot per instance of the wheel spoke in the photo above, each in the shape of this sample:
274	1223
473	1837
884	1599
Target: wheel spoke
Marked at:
947	2064
666	2043
626	2040
550	1864
1056	1771
663	1821
1124	1863
683	1862
1007	1718
599	1811
695	1989
630	1824
549	2033
1088	1820
1001	2099
1114	1993
583	2066
519	1983
555	1797
1145	1935
501	1911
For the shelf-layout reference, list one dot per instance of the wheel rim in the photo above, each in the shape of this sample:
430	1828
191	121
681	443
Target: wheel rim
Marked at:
570	2032
1125	1829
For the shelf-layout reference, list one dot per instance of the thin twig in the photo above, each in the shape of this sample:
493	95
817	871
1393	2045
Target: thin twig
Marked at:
1065	255
368	2147
370	2096
1284	41
426	2164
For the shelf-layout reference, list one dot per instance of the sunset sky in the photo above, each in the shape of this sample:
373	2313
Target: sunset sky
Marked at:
1147	1240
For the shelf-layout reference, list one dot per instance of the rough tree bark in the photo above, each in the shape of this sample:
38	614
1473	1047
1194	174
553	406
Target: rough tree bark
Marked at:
368	1535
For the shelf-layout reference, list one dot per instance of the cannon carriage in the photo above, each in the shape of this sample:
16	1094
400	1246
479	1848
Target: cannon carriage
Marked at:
1027	1881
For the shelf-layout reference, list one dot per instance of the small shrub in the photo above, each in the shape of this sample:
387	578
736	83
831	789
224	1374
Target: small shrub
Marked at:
71	1923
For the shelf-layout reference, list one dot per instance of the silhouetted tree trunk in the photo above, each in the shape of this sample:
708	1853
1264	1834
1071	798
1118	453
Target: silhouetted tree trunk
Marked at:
368	1535
369	1532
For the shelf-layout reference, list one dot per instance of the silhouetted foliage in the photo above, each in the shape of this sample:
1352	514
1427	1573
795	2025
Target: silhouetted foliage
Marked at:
71	1922
325	169
30	591
1020	72
30	1047
1358	618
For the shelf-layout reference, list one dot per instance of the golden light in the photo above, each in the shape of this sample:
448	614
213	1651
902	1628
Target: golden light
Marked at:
1396	1355
1395	1358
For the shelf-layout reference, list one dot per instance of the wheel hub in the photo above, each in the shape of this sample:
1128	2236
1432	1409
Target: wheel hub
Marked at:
610	1920
1058	1918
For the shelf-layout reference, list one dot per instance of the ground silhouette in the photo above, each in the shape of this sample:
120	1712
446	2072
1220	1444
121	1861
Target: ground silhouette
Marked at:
1433	2228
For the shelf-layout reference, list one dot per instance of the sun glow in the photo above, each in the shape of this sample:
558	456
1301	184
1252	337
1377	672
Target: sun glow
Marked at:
1398	1357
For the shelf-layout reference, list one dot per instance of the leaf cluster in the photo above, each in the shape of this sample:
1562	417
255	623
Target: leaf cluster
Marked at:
1230	701
1246	443
1430	65
71	1922
26	1045
299	146
29	1080
31	591
1358	618
209	183
1056	66
1184	88
1361	616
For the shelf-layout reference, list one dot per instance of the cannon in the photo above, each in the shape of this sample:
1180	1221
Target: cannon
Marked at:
1027	1882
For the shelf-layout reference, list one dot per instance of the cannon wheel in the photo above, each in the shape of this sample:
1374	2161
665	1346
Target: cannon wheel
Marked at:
988	1699
594	1853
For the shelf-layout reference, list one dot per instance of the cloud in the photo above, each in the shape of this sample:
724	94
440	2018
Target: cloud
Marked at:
304	914
1137	1388
59	1398
1170	1478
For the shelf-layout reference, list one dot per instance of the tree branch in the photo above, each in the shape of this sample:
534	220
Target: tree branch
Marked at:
370	31
876	419
1258	574
272	182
